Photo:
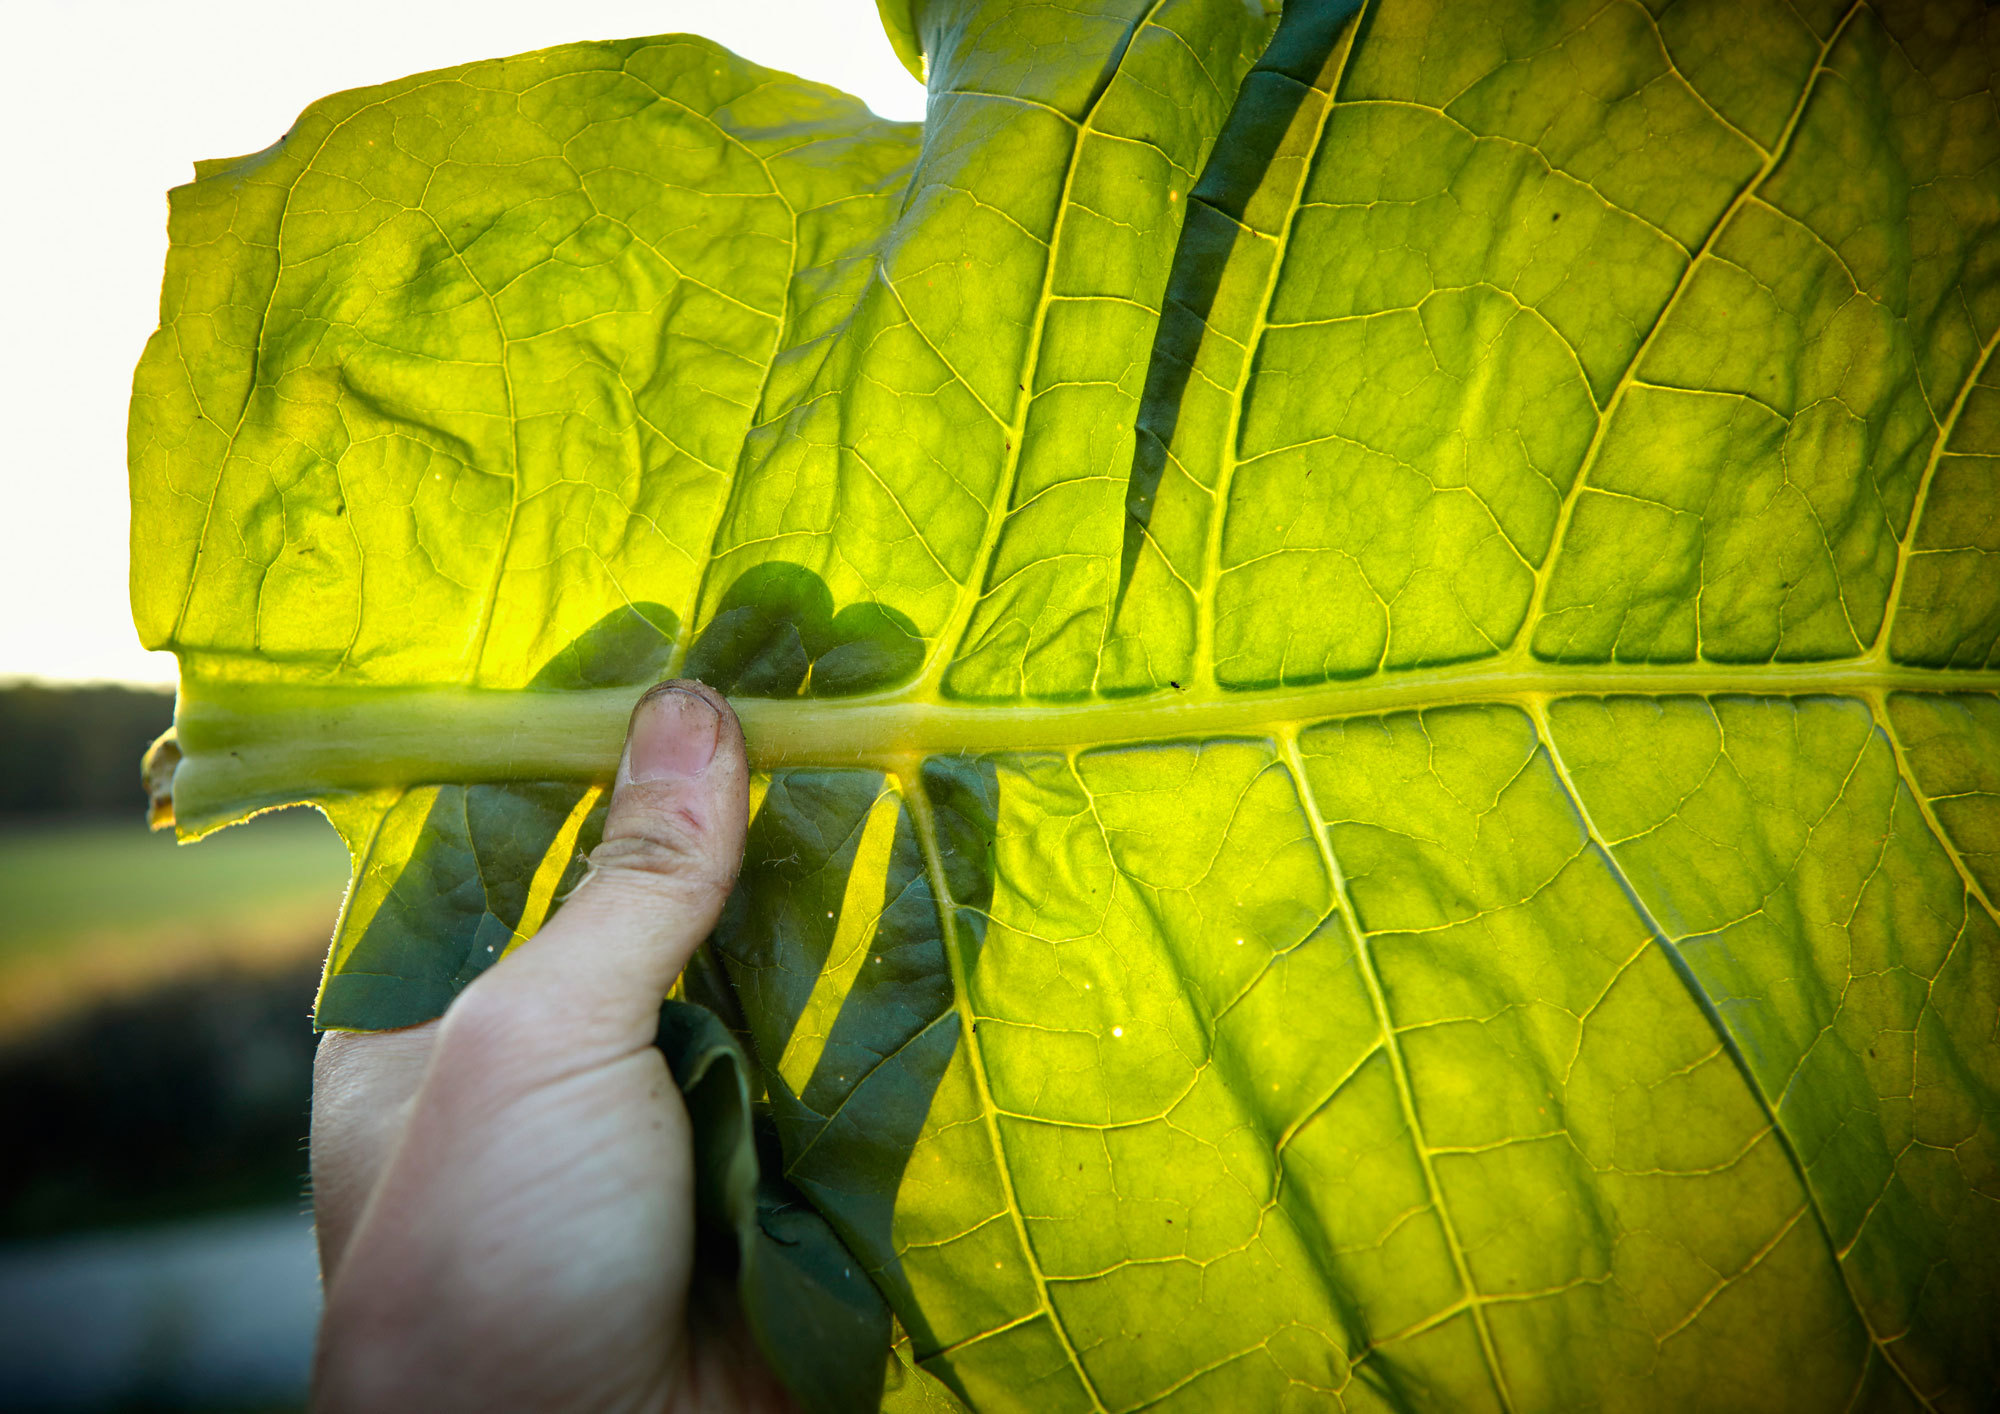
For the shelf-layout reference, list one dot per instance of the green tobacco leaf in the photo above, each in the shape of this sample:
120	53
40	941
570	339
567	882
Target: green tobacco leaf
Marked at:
1370	641
817	1319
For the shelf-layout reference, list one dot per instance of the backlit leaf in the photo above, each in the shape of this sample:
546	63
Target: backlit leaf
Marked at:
1370	639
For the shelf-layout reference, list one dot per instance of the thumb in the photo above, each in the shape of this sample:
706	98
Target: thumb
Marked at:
587	987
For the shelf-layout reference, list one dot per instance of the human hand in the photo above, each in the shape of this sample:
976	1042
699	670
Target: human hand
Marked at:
505	1197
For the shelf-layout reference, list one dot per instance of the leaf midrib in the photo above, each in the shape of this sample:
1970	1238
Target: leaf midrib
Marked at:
250	746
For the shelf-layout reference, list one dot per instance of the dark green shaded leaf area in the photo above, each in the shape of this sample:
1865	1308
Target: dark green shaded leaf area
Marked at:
1369	634
817	1318
775	634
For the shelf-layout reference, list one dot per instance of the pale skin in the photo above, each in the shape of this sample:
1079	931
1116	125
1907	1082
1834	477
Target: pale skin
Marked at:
504	1197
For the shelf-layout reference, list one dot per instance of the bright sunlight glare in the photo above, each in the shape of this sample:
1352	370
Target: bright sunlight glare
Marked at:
112	105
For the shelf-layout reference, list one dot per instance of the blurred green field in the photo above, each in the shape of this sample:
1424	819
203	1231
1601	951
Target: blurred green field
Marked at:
155	1037
68	879
93	908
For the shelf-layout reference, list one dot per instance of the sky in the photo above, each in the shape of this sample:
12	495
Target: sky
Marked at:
114	103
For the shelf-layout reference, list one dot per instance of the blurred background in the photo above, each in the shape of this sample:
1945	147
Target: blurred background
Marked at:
155	1045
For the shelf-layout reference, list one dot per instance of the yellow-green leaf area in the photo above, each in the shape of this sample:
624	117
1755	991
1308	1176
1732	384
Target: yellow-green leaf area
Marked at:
1369	633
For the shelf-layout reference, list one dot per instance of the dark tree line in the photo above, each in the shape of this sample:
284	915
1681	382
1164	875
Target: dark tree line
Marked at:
187	1098
76	750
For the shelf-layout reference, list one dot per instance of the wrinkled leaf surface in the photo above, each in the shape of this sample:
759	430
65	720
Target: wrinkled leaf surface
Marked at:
1373	639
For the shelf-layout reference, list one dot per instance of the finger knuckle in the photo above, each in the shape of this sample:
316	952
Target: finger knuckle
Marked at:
669	852
673	858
